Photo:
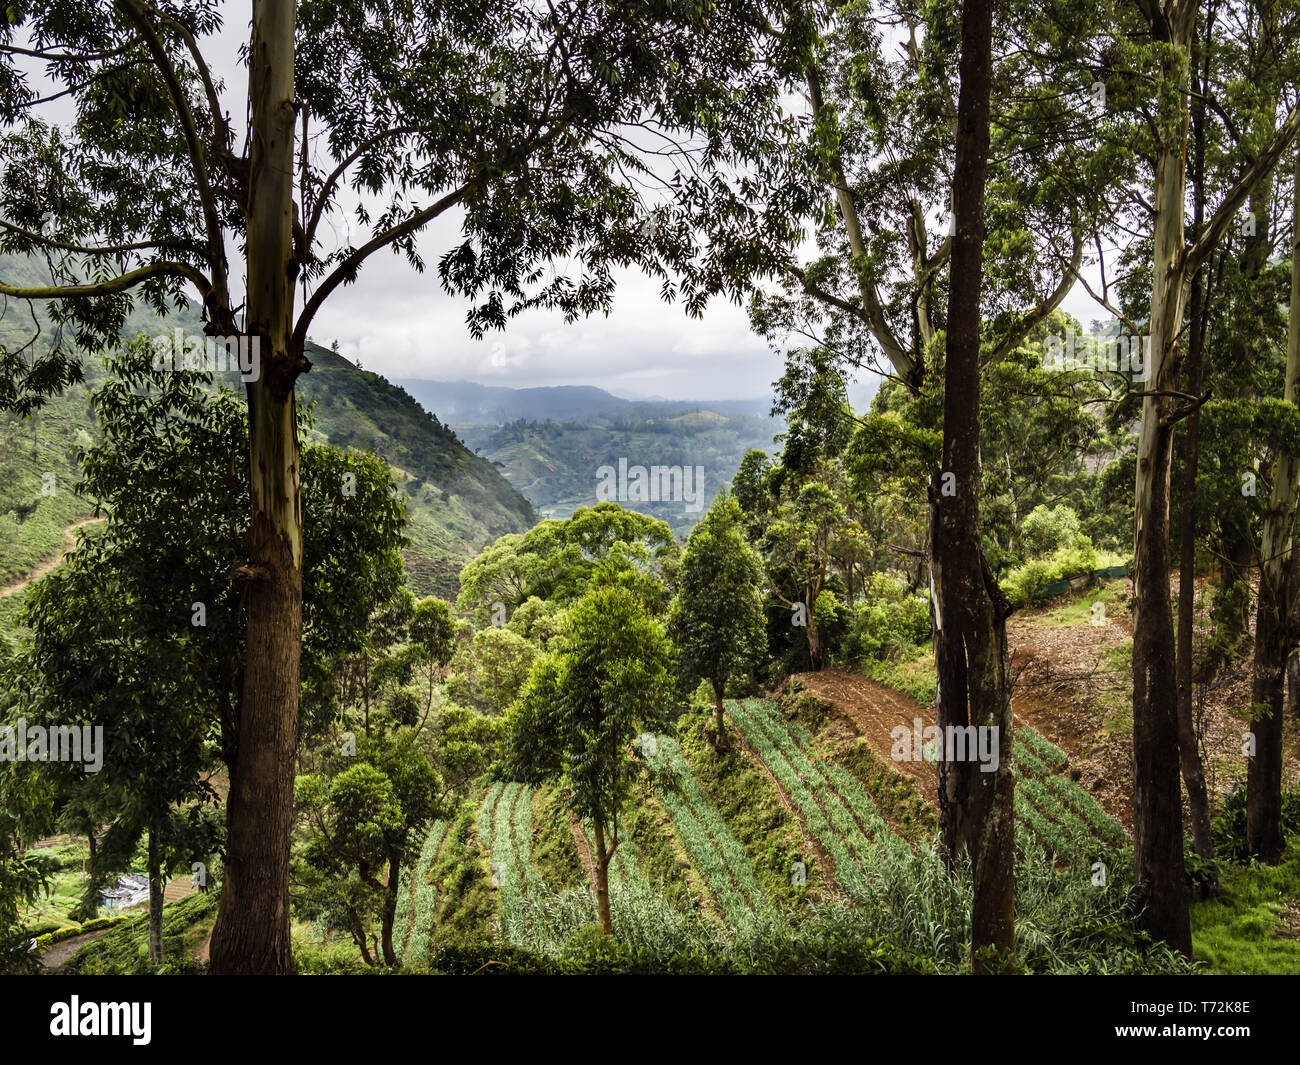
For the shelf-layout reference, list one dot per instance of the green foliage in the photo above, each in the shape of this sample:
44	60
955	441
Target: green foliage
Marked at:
883	628
1024	585
1047	530
581	708
559	561
716	621
1229	828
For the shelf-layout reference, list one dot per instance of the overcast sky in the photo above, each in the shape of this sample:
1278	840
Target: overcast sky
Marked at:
402	324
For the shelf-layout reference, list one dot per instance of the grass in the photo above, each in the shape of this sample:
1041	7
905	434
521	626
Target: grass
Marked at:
554	850
1077	609
1118	705
1237	932
911	673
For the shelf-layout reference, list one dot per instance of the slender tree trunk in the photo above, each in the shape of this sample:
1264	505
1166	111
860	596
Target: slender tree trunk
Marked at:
601	870
1293	676
1273	637
390	910
721	740
252	930
1188	749
1157	797
156	888
359	937
970	633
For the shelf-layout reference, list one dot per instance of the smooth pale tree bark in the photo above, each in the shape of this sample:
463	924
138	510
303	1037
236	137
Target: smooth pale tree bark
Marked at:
1157	800
252	930
1273	636
1188	749
971	638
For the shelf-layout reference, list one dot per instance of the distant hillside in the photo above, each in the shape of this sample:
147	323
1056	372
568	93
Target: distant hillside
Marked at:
464	403
458	501
557	465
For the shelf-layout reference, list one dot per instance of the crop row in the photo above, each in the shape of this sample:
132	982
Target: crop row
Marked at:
415	948
506	825
1077	806
1042	747
834	805
721	860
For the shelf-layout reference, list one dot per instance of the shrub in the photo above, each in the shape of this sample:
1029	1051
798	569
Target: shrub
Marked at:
1025	584
883	628
1229	828
1048	530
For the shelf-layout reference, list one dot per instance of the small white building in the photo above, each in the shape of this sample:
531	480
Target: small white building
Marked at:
128	891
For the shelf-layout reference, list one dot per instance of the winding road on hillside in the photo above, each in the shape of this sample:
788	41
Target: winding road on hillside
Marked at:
69	542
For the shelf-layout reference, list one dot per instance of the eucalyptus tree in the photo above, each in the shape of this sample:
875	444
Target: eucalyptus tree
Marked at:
1163	32
537	128
141	630
1275	635
883	90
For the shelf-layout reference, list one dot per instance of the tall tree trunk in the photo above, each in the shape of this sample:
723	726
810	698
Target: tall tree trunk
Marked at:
390	910
156	888
1188	749
1273	637
252	930
1157	797
601	870
970	634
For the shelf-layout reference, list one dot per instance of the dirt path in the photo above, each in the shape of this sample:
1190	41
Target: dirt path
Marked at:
875	712
69	542
60	954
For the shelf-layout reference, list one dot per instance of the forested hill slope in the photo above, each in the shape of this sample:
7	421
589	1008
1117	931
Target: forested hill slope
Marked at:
458	502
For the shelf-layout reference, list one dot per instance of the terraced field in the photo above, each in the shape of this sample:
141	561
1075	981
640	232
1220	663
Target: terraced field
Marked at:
836	814
1051	809
835	808
720	860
